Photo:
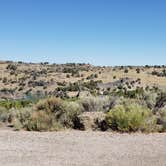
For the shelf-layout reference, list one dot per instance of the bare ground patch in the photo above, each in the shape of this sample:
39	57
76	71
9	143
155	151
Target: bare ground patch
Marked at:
76	148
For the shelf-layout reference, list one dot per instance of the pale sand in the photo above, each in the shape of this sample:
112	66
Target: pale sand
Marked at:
76	148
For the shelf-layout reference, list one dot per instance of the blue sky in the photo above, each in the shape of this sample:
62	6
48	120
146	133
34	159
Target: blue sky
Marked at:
101	32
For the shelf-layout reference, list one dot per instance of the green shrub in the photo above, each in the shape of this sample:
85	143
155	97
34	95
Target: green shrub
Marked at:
15	103
129	118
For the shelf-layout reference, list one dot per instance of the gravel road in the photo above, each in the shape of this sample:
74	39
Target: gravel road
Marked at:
76	148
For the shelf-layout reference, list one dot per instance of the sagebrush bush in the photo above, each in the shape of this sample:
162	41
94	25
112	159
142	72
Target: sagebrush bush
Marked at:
150	99
50	105
4	114
50	114
72	111
20	118
94	104
42	121
162	119
17	124
122	114
129	118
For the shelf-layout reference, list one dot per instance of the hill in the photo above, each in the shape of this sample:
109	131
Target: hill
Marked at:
22	80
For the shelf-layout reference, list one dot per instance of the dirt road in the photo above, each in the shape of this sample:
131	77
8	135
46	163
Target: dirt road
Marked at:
76	148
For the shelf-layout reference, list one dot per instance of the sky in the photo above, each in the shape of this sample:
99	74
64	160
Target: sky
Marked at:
100	32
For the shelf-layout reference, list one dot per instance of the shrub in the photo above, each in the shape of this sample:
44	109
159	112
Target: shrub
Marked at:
160	101
129	118
4	114
67	75
30	119
11	67
20	118
138	70
91	85
114	77
126	71
150	99
42	121
53	114
70	115
50	105
8	104
90	121
5	80
92	76
17	124
162	119
94	104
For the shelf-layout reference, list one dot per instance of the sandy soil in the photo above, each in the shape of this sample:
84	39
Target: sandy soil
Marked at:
76	148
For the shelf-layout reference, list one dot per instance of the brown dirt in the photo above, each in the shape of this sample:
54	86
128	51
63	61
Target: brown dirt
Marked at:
76	148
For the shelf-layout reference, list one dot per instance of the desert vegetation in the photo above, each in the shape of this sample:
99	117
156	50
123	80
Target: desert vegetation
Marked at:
52	97
104	113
